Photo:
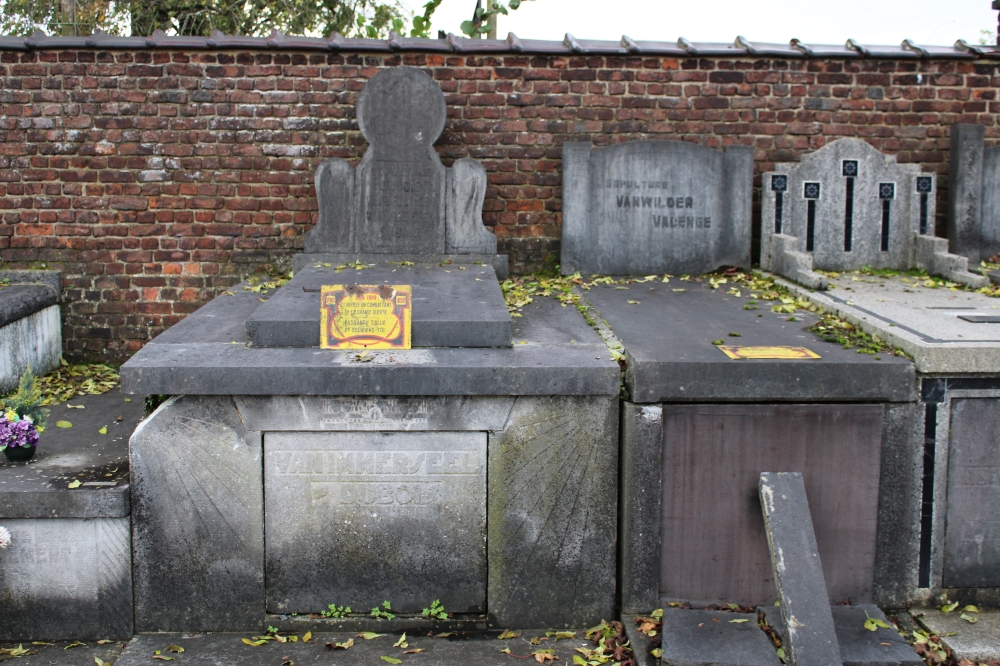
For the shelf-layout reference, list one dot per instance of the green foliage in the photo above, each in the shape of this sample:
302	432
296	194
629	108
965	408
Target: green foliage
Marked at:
333	610
480	24
384	613
436	611
27	400
351	18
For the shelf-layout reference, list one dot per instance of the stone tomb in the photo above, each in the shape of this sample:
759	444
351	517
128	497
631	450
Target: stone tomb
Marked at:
973	195
847	206
67	573
954	339
30	324
655	206
290	478
401	201
698	428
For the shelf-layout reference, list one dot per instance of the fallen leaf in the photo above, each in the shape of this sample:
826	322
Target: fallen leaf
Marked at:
413	651
101	642
128	399
75	483
656	652
104	430
542	656
63	424
658	613
346	645
970	609
368	635
307	637
176	649
401	643
537	640
162	657
506	650
99	661
679	290
391	660
738	621
633	302
561	634
971	619
944	609
507	633
69	406
445	634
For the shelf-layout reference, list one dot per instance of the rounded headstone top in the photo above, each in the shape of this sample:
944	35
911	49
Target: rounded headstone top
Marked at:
401	108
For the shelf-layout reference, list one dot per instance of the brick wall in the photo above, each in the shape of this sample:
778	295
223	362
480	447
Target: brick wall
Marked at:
155	179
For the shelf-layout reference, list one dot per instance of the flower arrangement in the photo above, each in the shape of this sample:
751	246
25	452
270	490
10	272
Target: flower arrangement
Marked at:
23	419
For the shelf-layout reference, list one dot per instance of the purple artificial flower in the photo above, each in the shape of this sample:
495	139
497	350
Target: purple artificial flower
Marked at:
17	433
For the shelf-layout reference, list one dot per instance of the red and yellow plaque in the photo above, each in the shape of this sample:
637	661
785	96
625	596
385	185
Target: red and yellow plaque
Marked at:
786	353
365	316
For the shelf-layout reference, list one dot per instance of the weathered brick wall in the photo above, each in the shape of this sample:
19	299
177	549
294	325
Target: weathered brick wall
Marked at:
155	179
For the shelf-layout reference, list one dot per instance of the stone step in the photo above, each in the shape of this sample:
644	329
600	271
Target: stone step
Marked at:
976	641
458	649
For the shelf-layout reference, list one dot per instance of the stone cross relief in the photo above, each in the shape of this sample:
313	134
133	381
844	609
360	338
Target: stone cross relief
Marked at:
401	199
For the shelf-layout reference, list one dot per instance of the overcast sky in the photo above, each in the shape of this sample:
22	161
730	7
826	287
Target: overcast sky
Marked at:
938	22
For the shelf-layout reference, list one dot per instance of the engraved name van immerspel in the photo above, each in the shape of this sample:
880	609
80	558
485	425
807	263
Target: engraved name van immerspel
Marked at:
667	209
384	479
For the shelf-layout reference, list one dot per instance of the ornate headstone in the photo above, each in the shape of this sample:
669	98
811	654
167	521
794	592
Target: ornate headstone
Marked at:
655	207
847	206
401	201
973	194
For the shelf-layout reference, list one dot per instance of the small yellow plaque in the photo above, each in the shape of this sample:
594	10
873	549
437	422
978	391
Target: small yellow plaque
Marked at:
788	353
365	316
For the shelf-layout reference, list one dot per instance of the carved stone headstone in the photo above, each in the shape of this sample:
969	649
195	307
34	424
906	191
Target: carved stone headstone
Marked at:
401	200
973	194
654	207
847	206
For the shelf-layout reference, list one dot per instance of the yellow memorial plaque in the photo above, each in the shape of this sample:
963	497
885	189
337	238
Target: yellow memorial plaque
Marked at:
787	353
365	316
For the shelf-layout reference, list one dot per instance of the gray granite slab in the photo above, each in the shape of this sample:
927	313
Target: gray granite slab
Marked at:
973	227
714	543
373	413
360	518
854	196
197	517
453	306
401	199
20	300
972	522
555	352
552	513
655	206
38	488
858	645
798	571
668	339
978	642
711	638
457	650
922	321
641	507
66	578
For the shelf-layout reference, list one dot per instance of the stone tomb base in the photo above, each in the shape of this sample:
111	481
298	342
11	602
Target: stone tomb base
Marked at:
359	500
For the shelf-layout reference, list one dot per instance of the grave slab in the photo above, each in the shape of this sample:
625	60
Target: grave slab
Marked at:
37	489
640	642
924	322
453	306
197	516
655	206
685	365
798	571
554	352
712	638
67	573
859	646
497	261
359	518
972	523
457	650
977	642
